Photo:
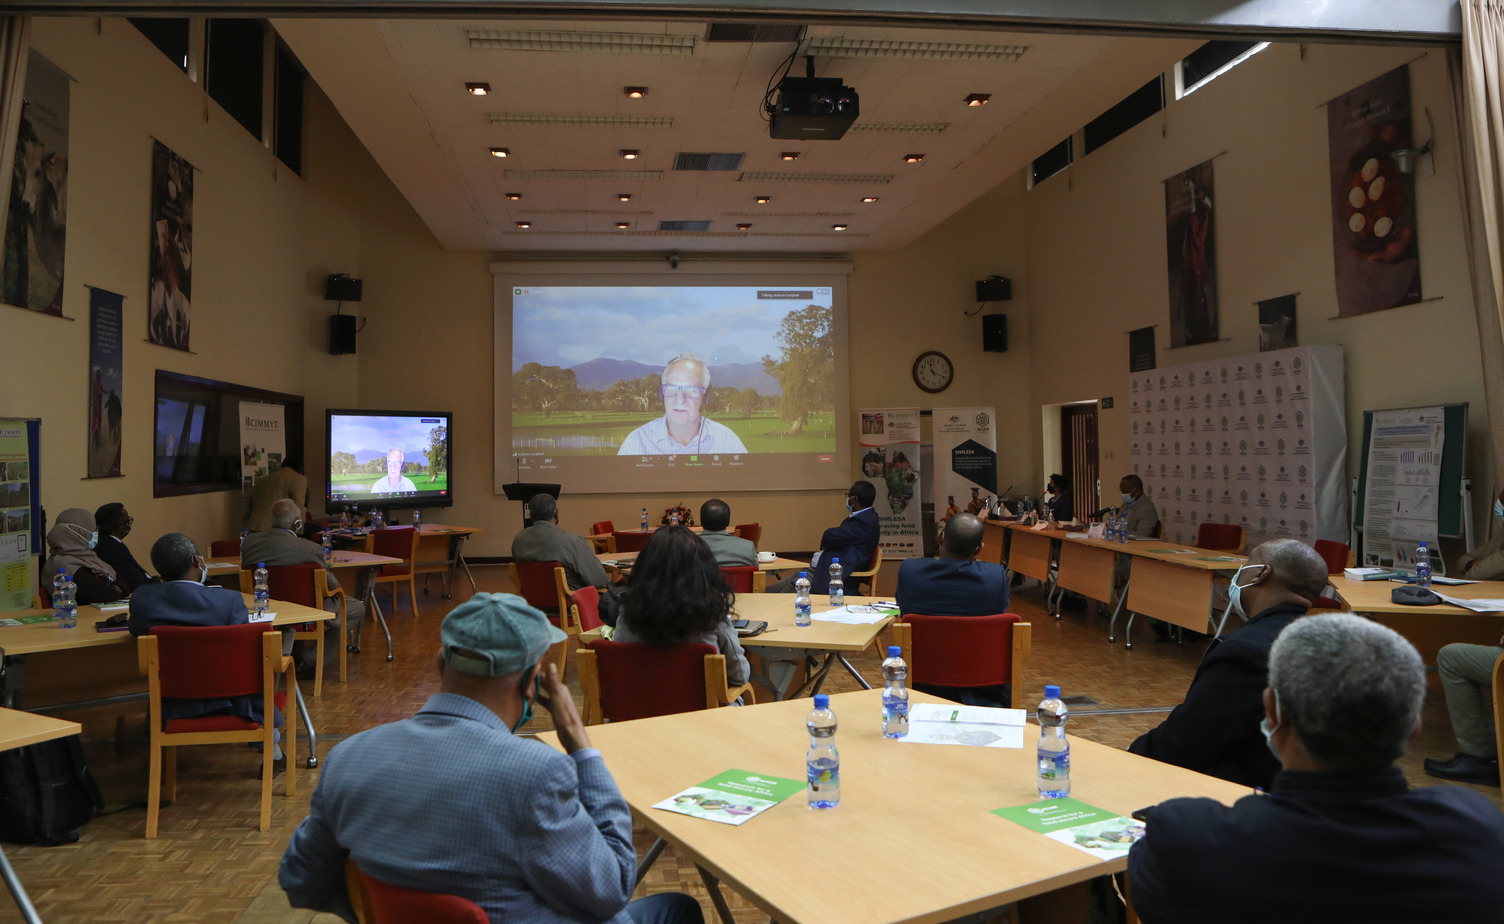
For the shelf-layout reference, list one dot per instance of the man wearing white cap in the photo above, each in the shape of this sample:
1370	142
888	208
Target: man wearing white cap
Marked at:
452	801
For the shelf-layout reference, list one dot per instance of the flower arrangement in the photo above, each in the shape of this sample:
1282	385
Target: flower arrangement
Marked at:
682	512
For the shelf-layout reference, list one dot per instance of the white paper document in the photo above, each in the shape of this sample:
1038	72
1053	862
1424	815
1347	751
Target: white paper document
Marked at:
855	615
968	726
268	616
1477	606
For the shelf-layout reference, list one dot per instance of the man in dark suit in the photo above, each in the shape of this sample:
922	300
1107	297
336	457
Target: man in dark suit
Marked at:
854	542
1216	730
1340	836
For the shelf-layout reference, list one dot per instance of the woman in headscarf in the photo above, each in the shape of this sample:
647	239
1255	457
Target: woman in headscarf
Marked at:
71	543
114	525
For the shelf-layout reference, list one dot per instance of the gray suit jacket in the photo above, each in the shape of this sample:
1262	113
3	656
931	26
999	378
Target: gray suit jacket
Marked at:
1143	519
281	547
730	550
545	541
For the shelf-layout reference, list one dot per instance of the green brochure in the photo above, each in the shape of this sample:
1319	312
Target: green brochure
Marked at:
732	797
24	620
1084	827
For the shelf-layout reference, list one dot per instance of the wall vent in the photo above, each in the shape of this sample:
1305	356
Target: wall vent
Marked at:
683	226
685	161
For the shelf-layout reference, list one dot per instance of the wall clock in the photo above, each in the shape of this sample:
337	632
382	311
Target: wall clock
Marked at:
933	371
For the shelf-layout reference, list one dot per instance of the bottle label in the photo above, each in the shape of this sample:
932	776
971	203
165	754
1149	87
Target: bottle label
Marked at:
1055	766
824	778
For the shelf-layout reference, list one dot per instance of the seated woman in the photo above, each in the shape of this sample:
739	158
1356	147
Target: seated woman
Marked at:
677	597
71	544
114	525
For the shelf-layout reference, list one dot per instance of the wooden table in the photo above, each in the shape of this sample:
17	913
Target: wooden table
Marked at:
1427	627
913	840
18	729
438	550
836	640
622	561
1030	550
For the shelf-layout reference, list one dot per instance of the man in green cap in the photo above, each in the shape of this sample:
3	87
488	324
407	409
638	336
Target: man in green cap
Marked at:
452	801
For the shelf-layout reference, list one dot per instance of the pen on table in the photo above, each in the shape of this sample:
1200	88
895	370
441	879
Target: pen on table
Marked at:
766	631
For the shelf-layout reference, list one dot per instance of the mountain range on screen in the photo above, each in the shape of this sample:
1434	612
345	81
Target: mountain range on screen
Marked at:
600	374
409	456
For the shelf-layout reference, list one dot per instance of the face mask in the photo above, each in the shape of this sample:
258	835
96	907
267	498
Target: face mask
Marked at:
1499	509
527	704
1127	499
1235	593
850	505
203	575
1269	732
297	526
94	539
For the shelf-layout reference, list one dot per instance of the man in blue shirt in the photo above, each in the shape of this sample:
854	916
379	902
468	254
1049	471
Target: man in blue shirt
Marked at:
526	832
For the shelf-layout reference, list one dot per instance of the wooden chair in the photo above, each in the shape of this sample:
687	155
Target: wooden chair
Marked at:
624	681
752	532
225	548
1222	537
215	662
631	541
307	585
744	579
543	584
377	902
965	651
1336	555
397	542
854	579
1499	708
585	609
601	536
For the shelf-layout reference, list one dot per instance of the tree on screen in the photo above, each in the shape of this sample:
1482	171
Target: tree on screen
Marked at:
342	462
546	389
806	371
438	452
747	401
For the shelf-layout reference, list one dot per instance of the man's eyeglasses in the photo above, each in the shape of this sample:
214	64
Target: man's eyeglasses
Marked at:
689	391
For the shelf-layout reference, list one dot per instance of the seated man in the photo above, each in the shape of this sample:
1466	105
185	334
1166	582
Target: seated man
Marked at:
1486	562
114	524
1216	730
1340	836
1466	677
545	541
182	599
1138	508
729	551
281	545
683	386
956	584
526	832
854	542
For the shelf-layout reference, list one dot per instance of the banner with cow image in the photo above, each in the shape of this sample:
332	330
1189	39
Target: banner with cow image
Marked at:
891	462
36	224
170	313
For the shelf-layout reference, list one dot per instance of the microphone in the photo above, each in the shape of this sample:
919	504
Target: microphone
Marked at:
1104	512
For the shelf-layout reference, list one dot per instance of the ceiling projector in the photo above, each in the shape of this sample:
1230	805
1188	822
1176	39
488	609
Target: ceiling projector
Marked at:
814	108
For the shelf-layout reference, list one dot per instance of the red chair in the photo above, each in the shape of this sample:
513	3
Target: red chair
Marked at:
214	662
624	681
600	536
585	609
543	584
307	585
632	541
744	579
1222	537
752	532
397	542
377	902
1336	555
225	548
965	651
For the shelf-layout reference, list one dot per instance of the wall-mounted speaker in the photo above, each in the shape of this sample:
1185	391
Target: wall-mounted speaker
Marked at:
995	289
341	334
994	333
342	288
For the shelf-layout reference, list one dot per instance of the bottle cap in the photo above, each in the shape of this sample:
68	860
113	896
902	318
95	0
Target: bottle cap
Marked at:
894	651
822	700
1051	691
261	564
804	574
835	561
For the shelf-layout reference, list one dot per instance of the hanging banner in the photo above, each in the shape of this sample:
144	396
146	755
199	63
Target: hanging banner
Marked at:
965	455
1374	234
1277	323
1193	256
171	264
105	377
36	226
1404	484
1258	440
263	441
891	462
16	575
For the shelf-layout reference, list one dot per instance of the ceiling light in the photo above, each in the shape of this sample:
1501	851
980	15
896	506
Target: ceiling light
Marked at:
630	153
477	89
744	226
635	92
623	197
838	227
790	155
869	199
978	99
623	225
913	158
513	197
764	200
524	225
499	152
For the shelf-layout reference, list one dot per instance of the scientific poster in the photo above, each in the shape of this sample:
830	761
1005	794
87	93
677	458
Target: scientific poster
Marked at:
36	225
1192	252
965	441
263	441
891	462
105	377
170	314
16	503
1404	482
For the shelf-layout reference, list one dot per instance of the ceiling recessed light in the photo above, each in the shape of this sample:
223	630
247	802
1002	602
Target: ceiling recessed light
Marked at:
513	197
623	225
744	226
630	153
978	99
790	155
635	92
499	152
869	199
913	158
763	200
623	197
524	225
477	89
838	227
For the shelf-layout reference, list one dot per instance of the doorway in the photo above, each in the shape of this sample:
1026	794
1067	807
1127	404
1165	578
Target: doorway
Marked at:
1078	455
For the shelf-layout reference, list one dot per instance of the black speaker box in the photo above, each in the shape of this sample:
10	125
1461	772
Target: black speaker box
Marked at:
341	334
342	288
995	289
994	332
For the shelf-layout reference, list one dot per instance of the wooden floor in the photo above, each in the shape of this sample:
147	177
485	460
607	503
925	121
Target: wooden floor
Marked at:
210	864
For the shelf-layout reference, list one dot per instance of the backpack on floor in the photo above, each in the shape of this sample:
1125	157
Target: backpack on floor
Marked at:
46	793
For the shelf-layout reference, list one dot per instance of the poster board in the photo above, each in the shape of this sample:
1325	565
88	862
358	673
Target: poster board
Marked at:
20	515
1449	520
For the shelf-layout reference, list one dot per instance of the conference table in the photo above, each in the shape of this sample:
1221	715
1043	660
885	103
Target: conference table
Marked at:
439	550
1427	627
622	561
913	839
42	666
19	729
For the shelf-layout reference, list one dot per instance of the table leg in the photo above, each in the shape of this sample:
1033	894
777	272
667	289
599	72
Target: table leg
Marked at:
313	737
713	886
373	607
648	859
852	671
18	891
14	667
1117	611
817	678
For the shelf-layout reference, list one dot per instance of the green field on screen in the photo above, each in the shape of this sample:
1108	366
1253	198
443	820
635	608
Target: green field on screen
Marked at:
357	482
595	433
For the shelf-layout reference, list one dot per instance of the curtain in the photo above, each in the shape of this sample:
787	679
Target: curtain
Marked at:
1478	94
15	43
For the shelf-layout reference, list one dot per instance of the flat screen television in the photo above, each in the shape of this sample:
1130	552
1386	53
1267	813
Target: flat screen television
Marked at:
388	459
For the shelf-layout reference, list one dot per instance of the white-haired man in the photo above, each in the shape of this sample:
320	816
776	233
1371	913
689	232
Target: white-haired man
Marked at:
394	481
682	430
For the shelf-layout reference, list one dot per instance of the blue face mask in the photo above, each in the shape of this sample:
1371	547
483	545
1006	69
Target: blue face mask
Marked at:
94	539
1127	499
527	704
1499	510
1235	592
1269	732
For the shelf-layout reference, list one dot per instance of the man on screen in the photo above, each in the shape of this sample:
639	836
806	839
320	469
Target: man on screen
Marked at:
394	482
681	429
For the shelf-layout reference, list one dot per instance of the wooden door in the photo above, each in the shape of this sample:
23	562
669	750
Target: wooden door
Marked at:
1078	449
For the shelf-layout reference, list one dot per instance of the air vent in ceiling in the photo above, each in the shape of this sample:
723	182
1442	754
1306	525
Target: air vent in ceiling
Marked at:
580	121
840	47
708	161
852	178
753	32
901	128
584	174
683	226
616	42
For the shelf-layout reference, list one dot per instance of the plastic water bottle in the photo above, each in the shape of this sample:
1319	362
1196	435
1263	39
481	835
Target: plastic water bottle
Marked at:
837	589
378	518
67	610
803	608
57	586
261	589
1422	566
417	520
344	518
325	550
823	762
644	519
895	694
1054	747
1110	526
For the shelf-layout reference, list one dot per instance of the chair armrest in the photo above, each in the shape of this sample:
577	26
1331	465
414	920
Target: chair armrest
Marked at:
746	689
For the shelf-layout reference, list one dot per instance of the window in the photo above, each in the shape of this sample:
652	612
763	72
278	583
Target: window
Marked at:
235	69
1135	108
169	35
287	110
1051	162
1211	61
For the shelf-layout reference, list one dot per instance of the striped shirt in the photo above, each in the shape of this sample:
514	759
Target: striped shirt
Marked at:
652	439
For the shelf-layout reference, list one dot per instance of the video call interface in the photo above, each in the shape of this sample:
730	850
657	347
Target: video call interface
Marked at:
387	459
